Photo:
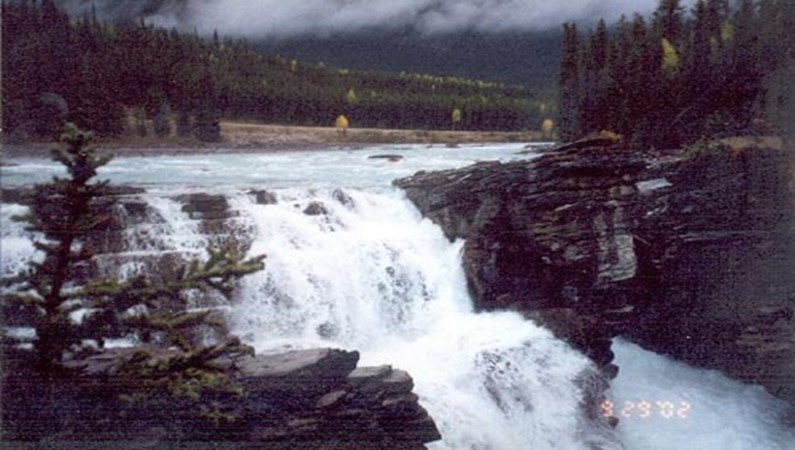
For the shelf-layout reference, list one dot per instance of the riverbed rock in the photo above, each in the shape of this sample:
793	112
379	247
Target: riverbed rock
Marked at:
217	220
314	398
681	254
264	197
388	157
315	208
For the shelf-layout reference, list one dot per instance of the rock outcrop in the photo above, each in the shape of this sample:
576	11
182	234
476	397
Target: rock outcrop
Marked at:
313	398
692	256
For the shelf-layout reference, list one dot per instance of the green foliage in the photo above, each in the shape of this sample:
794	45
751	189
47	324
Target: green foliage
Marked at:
62	212
194	375
570	84
207	125
162	123
101	71
684	78
66	212
176	361
194	380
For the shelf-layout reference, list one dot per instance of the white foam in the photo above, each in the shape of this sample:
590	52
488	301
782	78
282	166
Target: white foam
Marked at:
372	275
690	408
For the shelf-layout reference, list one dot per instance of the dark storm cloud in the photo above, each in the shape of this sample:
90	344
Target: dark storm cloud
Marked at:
297	17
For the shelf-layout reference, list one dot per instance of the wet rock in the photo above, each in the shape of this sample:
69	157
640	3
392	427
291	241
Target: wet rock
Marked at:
20	196
330	399
315	208
204	206
217	221
263	197
691	257
390	158
299	378
312	399
138	210
342	197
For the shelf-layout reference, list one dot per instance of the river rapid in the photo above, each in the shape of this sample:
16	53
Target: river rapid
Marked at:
370	274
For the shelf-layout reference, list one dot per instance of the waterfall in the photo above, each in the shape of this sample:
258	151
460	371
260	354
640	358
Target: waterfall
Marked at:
368	273
16	245
665	404
359	268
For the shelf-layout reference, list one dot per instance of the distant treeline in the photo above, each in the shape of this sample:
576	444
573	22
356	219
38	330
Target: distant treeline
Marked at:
111	79
718	69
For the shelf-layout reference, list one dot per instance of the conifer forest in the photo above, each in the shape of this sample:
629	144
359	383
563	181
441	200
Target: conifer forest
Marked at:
723	68
110	78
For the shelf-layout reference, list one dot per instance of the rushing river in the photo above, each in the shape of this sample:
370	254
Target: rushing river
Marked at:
371	274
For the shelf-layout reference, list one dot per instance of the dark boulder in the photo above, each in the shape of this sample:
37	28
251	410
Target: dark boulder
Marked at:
390	158
205	206
315	208
263	197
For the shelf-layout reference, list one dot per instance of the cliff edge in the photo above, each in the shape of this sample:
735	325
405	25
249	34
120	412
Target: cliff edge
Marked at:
691	254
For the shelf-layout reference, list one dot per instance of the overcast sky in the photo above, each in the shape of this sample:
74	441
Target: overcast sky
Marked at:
286	18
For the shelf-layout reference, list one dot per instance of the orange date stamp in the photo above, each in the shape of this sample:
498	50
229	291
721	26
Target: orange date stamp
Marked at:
646	409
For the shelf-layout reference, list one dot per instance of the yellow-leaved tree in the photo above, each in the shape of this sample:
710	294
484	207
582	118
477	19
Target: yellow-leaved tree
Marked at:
670	60
547	128
342	124
456	117
351	97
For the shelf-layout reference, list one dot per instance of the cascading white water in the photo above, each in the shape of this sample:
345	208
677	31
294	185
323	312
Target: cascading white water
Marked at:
16	245
370	274
665	404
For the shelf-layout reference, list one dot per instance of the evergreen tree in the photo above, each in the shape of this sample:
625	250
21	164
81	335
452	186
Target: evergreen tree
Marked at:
104	72
569	123
668	22
681	80
594	115
781	101
162	121
66	212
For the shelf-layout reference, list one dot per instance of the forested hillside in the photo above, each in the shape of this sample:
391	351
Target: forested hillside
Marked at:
112	79
723	68
529	58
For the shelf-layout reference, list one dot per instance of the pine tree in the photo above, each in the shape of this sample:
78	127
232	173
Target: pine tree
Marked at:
162	121
780	101
667	21
594	116
66	212
569	123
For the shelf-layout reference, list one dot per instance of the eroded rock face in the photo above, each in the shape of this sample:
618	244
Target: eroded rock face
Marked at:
722	263
313	398
300	399
692	257
548	237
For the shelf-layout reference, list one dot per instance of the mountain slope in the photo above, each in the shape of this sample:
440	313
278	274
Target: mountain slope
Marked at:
529	58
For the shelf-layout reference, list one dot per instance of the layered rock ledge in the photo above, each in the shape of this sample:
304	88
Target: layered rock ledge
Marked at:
689	255
310	399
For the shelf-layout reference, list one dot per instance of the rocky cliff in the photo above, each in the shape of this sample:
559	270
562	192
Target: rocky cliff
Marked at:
298	399
309	399
691	255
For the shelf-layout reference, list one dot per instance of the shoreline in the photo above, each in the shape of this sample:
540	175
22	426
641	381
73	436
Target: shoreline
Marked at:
240	137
